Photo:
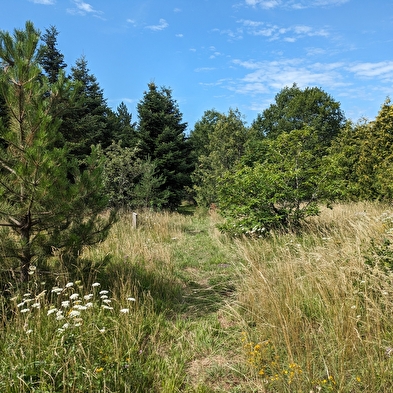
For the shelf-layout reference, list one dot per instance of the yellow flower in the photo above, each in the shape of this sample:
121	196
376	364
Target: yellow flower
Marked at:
358	379
99	370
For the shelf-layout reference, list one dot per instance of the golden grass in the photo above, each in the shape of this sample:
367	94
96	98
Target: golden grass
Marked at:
315	303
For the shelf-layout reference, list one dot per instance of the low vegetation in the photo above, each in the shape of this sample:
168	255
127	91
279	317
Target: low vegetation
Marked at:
175	306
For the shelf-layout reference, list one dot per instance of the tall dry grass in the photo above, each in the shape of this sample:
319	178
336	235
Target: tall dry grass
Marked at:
320	318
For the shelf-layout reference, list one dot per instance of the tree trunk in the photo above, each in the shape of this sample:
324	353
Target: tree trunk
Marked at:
25	258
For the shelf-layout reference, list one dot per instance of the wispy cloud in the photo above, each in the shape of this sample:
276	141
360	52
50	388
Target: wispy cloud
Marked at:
270	76
264	3
204	69
272	31
45	2
162	24
274	75
83	8
382	70
295	4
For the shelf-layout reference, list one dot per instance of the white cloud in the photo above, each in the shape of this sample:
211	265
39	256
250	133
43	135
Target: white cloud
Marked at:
295	4
45	2
383	69
179	35
268	76
83	8
162	24
274	32
264	3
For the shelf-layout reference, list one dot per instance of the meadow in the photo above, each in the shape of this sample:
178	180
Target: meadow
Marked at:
176	306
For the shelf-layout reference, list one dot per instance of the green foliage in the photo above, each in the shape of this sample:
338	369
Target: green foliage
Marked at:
87	121
360	158
161	137
227	137
277	193
131	182
295	109
41	210
52	60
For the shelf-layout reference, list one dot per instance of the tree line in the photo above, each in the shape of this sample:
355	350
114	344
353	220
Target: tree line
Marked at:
66	157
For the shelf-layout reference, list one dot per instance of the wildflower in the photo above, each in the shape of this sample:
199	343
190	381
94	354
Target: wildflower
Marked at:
59	317
65	326
125	310
65	304
88	297
104	292
25	310
51	311
88	305
99	370
96	284
102	330
107	301
29	331
57	290
104	297
79	307
107	307
36	305
20	304
74	313
358	379
69	285
131	299
27	295
74	296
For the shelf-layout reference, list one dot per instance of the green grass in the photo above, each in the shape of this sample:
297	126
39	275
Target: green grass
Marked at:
190	310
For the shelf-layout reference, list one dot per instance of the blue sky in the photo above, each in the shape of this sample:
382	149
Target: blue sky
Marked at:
221	54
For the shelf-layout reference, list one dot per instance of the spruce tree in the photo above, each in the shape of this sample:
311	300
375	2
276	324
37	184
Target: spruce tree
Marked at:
52	60
162	139
87	122
40	209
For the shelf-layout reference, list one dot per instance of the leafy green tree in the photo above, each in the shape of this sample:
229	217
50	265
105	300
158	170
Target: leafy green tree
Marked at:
199	136
131	182
40	209
277	193
52	60
226	146
295	109
161	134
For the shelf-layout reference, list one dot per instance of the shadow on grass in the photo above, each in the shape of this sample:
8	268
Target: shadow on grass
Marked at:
170	295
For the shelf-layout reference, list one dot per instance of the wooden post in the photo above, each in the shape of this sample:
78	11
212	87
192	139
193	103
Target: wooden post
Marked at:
134	220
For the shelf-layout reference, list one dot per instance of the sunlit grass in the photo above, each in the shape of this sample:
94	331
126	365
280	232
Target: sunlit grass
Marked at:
314	303
175	306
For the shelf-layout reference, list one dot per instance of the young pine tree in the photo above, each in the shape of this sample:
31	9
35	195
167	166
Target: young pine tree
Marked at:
40	208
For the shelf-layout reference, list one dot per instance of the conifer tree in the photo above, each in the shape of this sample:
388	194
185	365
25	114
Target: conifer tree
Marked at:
87	122
52	60
40	209
162	139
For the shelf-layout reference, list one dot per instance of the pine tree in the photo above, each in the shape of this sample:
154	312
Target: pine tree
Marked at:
162	139
40	209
